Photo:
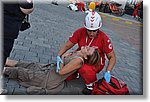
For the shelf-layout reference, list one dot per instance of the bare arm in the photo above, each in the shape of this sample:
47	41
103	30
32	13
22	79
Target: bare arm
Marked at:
66	47
71	66
11	63
112	60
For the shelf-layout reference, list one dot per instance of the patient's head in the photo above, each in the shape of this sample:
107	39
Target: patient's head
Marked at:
93	57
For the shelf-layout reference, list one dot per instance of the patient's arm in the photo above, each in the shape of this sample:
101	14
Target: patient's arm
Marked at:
11	63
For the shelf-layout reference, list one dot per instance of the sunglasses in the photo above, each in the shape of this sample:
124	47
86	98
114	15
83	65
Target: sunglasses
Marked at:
91	30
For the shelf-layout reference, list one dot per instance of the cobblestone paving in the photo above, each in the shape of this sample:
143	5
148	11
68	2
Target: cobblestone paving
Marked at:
51	27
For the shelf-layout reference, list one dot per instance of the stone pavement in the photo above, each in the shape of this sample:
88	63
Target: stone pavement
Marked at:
51	25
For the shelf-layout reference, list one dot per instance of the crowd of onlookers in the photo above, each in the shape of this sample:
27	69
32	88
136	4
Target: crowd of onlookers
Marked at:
135	10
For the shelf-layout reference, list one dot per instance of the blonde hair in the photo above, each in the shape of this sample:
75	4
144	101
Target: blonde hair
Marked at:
93	59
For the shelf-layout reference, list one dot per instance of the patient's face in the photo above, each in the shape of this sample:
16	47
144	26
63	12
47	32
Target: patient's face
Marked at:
87	50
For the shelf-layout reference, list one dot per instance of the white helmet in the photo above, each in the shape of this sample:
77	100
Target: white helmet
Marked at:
93	21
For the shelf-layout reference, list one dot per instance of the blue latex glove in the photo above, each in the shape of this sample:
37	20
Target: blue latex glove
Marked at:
107	76
59	60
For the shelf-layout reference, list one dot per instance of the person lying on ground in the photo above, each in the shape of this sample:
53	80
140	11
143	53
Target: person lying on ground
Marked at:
40	79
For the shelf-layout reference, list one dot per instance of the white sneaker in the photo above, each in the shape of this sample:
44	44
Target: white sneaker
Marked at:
89	86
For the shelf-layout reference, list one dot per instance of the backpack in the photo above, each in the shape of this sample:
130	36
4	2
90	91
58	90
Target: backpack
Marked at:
114	87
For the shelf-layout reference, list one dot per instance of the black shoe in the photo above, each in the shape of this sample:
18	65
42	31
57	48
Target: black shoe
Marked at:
87	91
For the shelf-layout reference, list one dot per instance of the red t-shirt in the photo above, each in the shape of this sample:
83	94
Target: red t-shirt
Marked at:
101	41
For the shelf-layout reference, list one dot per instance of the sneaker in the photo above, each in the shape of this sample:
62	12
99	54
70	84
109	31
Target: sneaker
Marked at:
86	91
90	86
